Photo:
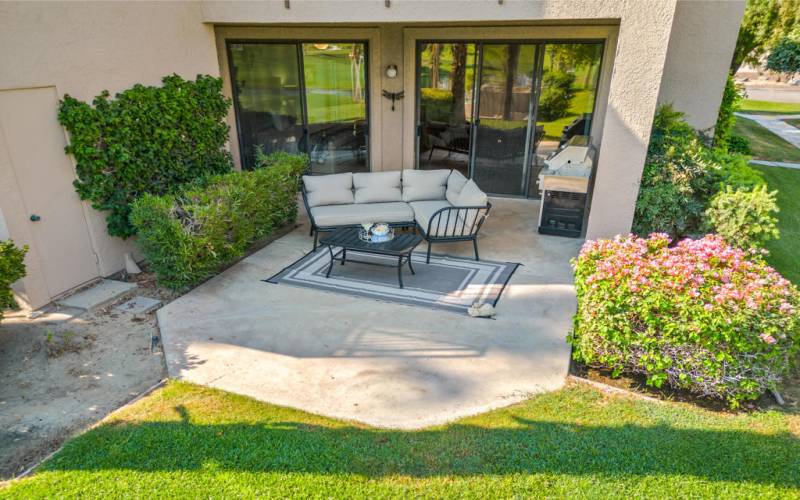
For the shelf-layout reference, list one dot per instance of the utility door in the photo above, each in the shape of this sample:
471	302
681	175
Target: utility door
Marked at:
34	142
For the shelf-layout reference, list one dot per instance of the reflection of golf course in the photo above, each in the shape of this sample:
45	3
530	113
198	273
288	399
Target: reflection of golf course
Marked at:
334	80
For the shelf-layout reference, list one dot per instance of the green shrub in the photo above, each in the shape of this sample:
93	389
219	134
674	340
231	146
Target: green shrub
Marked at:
682	176
785	57
557	94
437	104
701	315
677	178
145	140
731	100
12	268
188	237
739	144
745	218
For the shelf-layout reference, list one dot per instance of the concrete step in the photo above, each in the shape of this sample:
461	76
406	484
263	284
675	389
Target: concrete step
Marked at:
139	306
98	295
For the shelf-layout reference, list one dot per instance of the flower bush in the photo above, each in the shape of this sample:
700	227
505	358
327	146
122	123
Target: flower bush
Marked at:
700	315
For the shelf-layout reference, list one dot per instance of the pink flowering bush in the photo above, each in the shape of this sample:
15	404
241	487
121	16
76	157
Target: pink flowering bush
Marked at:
701	315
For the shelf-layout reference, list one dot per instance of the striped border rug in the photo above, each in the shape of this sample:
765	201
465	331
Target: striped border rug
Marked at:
448	283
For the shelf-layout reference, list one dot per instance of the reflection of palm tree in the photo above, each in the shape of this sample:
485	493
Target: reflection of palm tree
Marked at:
459	78
512	59
435	59
356	59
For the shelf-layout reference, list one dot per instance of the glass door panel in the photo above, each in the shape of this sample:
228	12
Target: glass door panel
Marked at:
445	73
336	102
504	108
570	72
267	95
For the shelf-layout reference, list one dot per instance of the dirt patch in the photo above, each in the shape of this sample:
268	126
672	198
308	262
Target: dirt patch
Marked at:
64	371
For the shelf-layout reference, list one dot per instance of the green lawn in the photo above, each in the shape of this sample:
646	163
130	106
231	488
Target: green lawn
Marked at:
769	107
765	144
187	441
784	252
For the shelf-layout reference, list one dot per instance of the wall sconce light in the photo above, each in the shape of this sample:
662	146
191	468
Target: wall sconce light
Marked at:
391	71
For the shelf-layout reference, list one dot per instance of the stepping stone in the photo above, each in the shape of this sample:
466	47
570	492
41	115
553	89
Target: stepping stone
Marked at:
139	305
98	295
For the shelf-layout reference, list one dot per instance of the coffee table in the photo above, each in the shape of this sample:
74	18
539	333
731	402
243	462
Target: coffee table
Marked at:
347	240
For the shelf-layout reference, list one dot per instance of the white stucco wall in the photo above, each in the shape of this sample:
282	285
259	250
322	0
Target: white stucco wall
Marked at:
698	58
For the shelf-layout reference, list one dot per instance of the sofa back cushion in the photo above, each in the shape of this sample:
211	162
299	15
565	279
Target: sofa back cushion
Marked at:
471	196
419	185
334	189
377	187
455	183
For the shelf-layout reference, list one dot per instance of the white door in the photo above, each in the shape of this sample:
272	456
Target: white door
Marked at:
34	142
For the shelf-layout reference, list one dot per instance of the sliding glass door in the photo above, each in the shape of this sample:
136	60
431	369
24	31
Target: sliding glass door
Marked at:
302	97
496	110
504	108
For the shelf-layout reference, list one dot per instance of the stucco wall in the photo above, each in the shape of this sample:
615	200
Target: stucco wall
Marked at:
83	48
698	59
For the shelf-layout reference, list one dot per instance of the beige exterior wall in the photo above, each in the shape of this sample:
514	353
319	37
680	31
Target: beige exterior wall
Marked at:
699	56
83	48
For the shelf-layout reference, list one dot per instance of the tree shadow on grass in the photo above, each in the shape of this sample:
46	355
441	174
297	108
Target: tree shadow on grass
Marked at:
457	450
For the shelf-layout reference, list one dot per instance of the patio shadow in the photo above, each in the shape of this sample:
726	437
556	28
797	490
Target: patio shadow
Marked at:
456	450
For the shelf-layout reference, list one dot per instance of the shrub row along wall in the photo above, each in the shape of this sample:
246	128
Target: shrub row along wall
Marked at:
146	140
701	315
188	237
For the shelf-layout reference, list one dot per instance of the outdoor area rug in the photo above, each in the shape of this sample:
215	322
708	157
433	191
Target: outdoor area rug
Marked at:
449	283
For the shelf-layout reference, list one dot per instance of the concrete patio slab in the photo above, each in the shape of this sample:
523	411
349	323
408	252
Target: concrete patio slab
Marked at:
380	363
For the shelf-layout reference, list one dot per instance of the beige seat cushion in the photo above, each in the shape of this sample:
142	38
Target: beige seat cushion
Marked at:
455	183
441	226
334	189
377	187
347	215
420	185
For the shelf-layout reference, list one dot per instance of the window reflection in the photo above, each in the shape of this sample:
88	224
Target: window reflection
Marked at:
570	73
446	75
269	89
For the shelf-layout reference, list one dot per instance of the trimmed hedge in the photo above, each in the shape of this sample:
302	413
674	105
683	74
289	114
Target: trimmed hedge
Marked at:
701	315
12	268
189	237
146	140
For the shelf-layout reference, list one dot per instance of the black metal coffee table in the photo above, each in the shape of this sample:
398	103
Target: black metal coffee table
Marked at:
347	239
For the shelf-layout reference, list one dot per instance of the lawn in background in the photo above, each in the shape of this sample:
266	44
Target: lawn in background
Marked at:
784	252
189	441
764	144
769	107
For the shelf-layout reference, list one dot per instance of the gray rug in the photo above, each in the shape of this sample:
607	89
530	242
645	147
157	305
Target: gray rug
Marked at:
449	283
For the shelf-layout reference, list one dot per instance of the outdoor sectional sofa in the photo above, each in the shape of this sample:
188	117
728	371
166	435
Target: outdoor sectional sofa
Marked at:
442	204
